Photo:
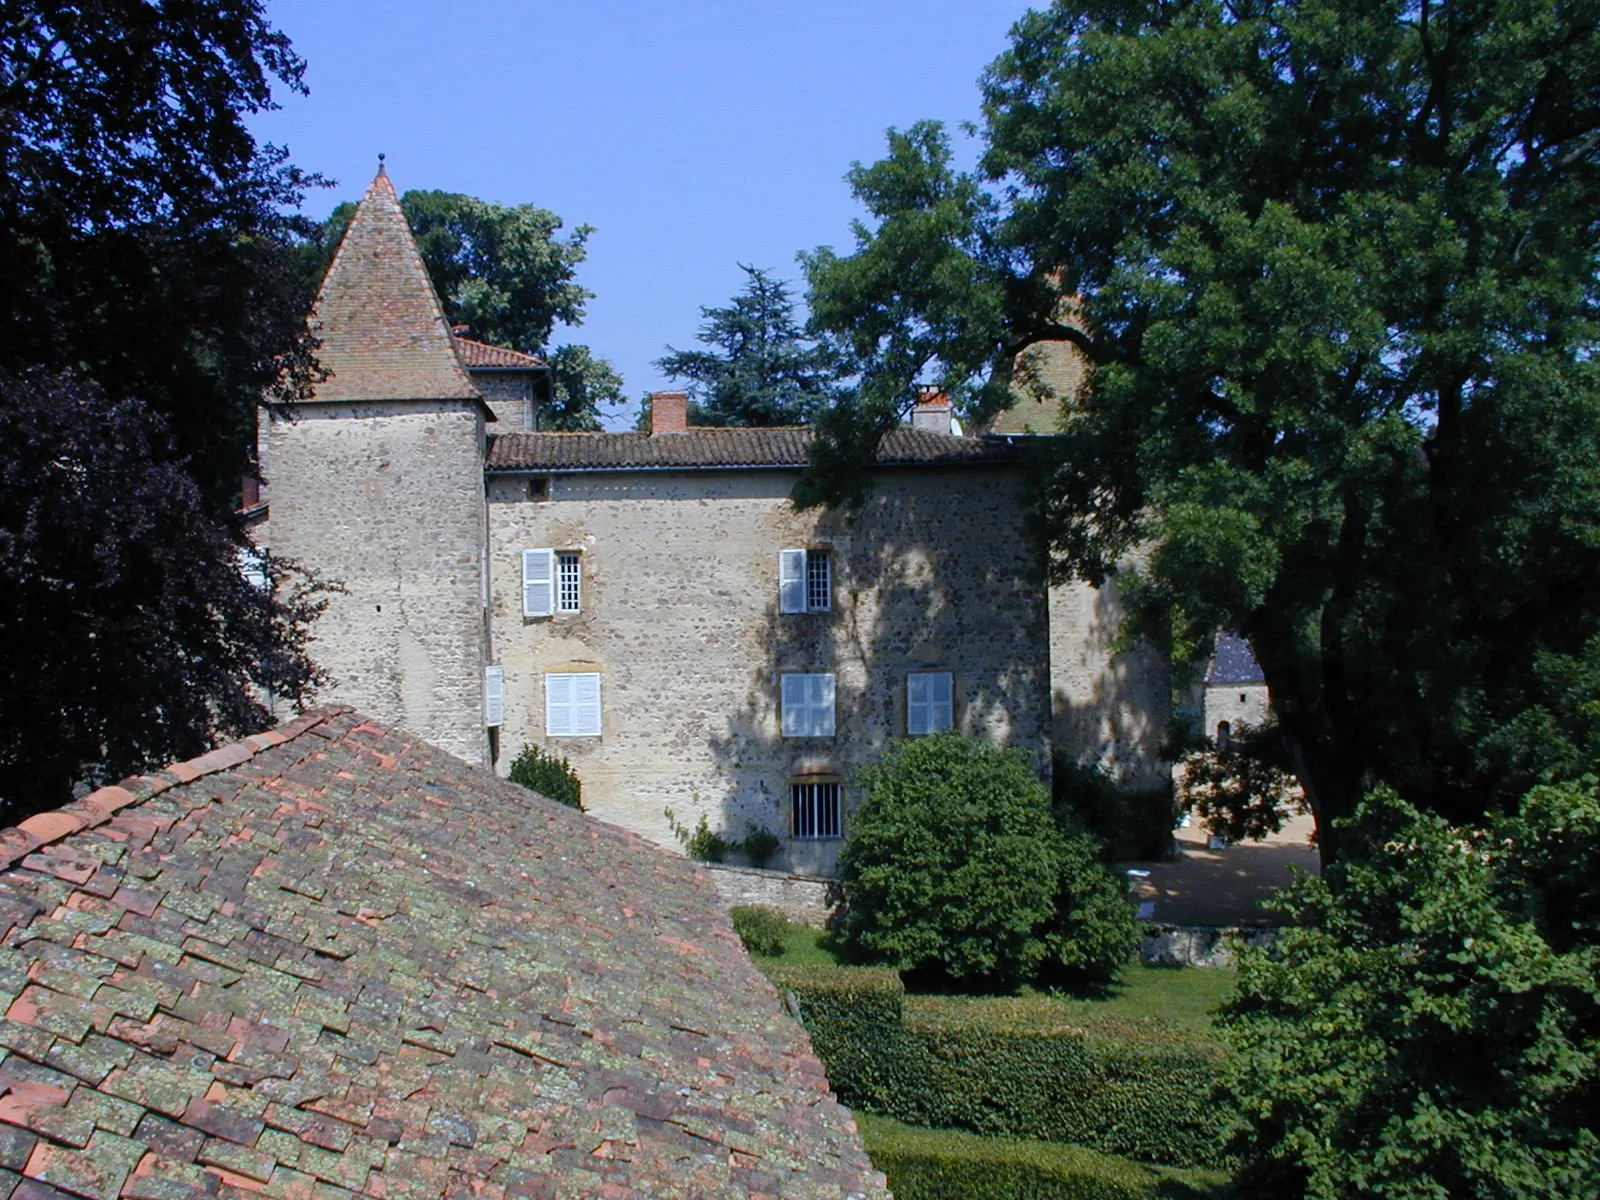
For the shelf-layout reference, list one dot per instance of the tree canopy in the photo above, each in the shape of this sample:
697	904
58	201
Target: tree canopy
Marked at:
145	238
152	300
759	368
505	272
1335	264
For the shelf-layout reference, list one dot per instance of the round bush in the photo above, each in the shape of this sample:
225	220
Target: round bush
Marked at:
549	775
953	862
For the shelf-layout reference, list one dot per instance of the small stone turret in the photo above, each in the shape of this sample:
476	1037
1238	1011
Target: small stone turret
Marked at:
376	482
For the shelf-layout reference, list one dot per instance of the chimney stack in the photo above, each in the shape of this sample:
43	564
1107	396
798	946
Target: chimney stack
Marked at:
669	412
932	413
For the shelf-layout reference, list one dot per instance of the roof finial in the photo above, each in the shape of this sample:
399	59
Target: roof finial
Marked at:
382	170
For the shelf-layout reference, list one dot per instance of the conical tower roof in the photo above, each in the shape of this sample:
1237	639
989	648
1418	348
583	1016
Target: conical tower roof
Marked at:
383	332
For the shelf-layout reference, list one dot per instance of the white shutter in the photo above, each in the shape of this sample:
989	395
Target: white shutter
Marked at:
586	705
917	716
538	583
941	702
822	702
494	696
558	705
791	581
793	702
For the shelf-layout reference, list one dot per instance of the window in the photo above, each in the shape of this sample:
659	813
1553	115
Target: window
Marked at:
930	702
815	811
807	702
569	565
494	696
253	566
538	583
805	581
572	705
1224	732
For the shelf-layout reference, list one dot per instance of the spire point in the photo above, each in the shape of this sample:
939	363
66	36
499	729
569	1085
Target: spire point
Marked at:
382	170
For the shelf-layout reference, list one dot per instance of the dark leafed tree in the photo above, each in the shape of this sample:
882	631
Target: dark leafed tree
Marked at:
507	275
145	238
129	633
759	368
1337	267
151	300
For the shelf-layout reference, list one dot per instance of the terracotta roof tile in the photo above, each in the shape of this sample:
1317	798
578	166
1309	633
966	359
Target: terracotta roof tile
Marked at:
720	447
383	332
333	960
481	356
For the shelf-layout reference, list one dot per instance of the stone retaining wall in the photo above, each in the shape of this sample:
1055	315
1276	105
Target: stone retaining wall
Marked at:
1198	945
802	898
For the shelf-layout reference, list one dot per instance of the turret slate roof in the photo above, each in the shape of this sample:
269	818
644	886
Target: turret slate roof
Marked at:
383	332
1233	662
724	447
332	961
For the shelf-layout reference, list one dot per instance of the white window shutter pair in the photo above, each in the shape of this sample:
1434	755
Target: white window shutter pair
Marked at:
792	581
494	696
930	702
572	705
538	583
807	702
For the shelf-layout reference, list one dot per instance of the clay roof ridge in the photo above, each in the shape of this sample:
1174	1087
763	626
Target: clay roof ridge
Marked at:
99	806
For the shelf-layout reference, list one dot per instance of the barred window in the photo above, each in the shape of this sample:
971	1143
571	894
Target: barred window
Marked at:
819	581
570	581
815	811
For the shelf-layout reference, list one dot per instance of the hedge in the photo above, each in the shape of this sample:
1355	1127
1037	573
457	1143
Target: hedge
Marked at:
943	1164
1148	1100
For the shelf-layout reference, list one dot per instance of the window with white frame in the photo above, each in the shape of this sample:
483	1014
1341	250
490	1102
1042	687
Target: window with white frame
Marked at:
569	581
572	704
538	583
805	581
807	704
930	702
815	809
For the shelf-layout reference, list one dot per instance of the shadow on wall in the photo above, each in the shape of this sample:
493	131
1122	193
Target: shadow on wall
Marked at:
969	602
1112	706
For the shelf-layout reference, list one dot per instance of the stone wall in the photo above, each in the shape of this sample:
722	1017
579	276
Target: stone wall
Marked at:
1236	703
386	499
509	395
680	619
801	898
1112	706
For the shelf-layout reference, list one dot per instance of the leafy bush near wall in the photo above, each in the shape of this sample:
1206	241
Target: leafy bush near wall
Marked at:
763	930
1133	824
549	775
1143	1093
957	867
942	1164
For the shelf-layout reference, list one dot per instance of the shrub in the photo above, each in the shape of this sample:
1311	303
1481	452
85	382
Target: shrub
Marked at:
550	776
763	930
1144	1093
1431	1024
702	843
1132	824
942	1164
956	866
760	845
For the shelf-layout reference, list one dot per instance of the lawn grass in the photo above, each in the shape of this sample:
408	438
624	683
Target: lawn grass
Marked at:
1141	1001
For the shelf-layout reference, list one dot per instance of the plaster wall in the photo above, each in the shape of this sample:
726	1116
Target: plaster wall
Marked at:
680	618
1237	704
386	499
508	395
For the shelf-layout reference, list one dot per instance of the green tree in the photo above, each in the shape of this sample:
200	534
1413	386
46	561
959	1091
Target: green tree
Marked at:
956	866
760	369
152	299
1429	1024
505	273
146	240
1336	264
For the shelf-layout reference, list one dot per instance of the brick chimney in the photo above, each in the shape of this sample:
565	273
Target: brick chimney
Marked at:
932	414
669	412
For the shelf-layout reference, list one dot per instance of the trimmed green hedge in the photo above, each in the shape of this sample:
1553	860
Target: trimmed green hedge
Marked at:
1148	1100
944	1164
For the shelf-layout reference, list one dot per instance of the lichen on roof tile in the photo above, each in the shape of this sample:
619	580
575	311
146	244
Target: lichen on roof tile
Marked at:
341	962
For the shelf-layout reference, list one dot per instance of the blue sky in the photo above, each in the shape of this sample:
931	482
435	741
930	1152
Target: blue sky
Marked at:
693	136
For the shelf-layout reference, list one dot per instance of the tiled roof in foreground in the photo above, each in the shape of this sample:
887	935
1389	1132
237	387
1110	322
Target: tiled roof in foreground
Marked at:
725	447
332	961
